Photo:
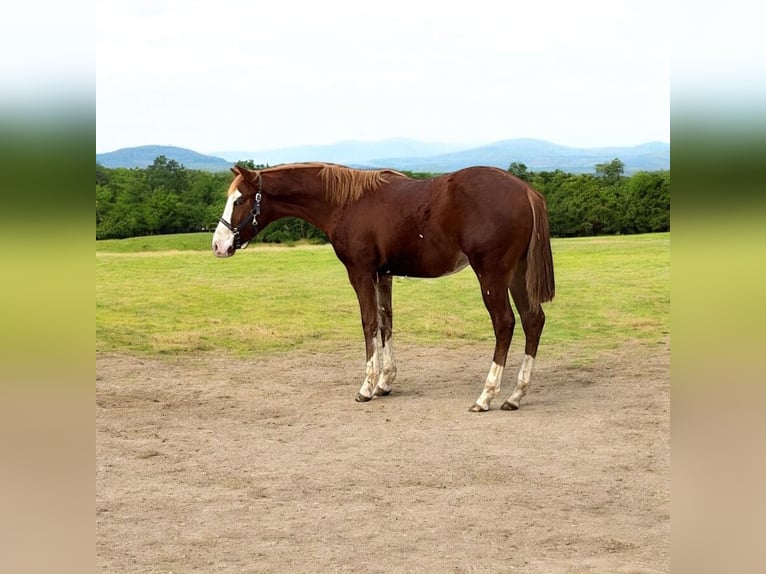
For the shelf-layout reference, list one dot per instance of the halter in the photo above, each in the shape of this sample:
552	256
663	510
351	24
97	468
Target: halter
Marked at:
252	218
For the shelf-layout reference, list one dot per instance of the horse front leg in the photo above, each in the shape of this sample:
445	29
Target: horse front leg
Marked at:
365	285
387	366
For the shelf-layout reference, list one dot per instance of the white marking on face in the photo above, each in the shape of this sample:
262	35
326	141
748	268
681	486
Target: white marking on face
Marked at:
491	386
223	238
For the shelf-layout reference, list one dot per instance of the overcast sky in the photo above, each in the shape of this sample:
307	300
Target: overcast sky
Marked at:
253	75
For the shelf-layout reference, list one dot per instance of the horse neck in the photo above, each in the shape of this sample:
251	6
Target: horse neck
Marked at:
299	193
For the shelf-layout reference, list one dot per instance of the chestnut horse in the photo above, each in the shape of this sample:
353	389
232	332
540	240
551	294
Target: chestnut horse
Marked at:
383	223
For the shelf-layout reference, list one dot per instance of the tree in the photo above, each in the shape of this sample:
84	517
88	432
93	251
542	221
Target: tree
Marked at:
611	172
167	174
250	164
167	198
519	170
647	202
102	175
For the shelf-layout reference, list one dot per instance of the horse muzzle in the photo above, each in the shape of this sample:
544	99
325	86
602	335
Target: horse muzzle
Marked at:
222	250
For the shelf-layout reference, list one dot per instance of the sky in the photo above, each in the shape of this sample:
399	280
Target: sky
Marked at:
256	75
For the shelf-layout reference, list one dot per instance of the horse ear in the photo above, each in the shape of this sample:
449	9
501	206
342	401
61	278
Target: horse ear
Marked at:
248	174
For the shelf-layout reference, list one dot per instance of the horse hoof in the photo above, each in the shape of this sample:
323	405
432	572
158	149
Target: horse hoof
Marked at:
510	406
381	393
477	409
360	398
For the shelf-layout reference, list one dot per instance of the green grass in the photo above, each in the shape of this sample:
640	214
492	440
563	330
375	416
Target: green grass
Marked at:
170	295
610	290
180	242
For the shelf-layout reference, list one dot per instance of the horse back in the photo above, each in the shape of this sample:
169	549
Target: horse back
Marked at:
428	228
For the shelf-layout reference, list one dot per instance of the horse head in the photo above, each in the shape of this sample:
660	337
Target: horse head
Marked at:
239	222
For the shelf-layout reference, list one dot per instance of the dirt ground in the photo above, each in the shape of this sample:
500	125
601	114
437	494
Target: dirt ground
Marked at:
223	465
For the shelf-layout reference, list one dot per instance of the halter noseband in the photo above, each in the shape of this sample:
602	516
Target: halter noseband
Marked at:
252	218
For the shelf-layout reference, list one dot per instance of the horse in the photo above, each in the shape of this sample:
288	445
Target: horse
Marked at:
382	223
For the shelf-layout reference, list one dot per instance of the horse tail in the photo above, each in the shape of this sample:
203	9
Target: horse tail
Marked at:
541	286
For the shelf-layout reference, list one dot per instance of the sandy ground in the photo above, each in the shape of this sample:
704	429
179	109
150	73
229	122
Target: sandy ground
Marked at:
231	465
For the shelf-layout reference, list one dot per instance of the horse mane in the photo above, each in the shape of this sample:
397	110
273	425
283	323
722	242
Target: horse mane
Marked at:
343	184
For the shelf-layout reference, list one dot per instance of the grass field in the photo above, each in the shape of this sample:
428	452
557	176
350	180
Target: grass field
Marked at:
170	295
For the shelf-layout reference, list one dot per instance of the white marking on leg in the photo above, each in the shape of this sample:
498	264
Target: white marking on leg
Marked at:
491	386
372	372
387	371
223	238
522	381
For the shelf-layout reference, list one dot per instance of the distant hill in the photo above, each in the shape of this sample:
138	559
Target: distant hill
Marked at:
144	156
351	152
538	155
413	155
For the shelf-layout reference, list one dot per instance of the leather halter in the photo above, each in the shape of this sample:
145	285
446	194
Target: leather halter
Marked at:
252	217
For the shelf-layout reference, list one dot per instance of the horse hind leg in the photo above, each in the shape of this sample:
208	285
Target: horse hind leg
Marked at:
387	371
532	321
513	402
494	290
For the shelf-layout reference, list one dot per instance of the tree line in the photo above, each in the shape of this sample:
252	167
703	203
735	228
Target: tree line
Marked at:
168	198
602	203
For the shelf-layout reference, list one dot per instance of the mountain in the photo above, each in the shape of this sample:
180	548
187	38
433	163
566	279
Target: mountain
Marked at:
413	155
349	152
144	156
538	155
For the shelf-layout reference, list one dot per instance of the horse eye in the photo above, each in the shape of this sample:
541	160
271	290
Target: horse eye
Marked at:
238	202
